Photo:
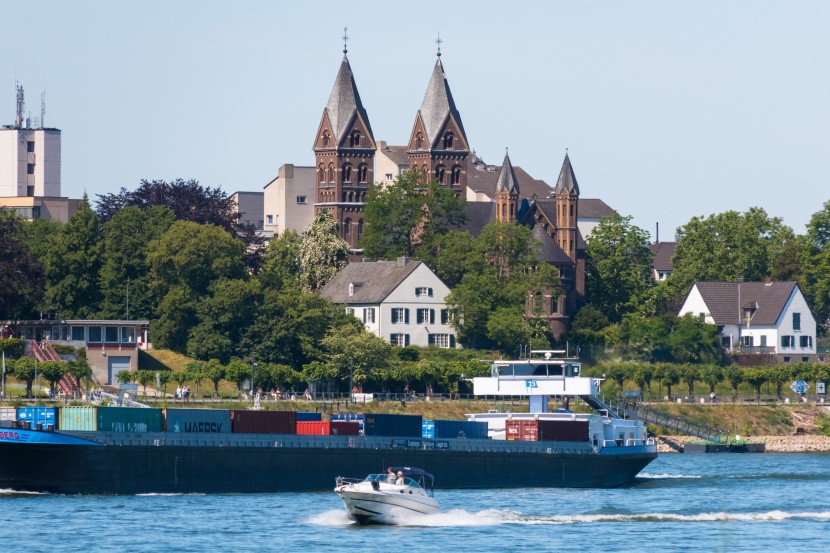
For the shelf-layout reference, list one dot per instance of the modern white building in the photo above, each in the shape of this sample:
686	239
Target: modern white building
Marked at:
289	200
401	301
757	317
249	205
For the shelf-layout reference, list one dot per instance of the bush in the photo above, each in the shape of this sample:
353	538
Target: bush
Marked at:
13	347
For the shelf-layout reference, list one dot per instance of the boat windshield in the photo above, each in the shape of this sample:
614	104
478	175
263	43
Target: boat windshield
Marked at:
383	479
534	368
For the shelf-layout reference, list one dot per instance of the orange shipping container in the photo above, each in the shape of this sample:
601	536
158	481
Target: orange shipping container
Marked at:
313	428
522	430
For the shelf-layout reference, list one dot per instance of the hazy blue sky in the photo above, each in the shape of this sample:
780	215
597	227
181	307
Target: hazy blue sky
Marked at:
668	109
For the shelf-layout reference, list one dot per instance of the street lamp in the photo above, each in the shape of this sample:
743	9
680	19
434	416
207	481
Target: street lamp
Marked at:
253	364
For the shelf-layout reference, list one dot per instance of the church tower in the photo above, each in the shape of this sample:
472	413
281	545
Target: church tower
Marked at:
507	193
344	150
438	146
566	193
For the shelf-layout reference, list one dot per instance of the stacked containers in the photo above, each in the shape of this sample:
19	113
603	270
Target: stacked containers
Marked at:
404	426
523	430
129	419
38	416
79	419
263	422
351	417
563	431
345	428
8	417
313	428
460	429
308	416
205	421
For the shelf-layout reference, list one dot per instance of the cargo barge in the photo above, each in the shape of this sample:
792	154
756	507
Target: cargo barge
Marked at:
140	451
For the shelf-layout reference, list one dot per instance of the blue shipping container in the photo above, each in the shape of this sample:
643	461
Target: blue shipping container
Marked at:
35	415
460	429
309	417
428	429
212	421
384	424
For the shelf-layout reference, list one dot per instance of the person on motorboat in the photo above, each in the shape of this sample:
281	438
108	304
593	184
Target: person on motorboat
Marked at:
399	481
390	476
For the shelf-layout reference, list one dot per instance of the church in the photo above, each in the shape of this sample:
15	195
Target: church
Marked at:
348	158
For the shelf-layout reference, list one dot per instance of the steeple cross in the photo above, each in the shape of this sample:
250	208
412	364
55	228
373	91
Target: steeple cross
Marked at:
438	41
345	40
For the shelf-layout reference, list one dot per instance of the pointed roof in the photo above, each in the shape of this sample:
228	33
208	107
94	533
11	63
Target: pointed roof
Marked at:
344	103
726	300
567	179
507	177
438	105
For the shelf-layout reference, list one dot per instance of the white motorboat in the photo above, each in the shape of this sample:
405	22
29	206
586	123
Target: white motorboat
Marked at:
383	498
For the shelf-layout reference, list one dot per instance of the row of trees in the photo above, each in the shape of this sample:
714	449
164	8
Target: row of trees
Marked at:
28	370
671	375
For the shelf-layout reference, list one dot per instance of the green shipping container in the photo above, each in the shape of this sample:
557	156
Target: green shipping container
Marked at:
78	418
129	419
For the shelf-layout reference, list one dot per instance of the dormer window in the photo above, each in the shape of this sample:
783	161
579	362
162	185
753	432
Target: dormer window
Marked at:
355	139
351	289
419	141
448	141
326	138
423	291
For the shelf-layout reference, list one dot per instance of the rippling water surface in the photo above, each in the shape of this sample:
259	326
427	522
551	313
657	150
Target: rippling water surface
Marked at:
722	502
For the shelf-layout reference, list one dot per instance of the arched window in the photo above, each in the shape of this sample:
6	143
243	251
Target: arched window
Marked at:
322	173
424	174
448	141
347	230
355	139
359	228
439	174
331	172
572	210
326	138
419	141
455	178
347	173
362	172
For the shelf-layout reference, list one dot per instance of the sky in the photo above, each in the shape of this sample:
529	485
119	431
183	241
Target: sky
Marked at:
668	110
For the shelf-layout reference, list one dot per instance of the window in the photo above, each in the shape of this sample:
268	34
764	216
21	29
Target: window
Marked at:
355	139
302	200
439	340
400	315
270	219
445	316
439	174
362	173
95	334
111	334
805	341
747	341
326	138
128	335
30	146
796	321
423	291
425	316
369	315
419	141
702	317
764	341
787	341
351	289
726	341
30	168
448	141
455	177
259	223
786	359
347	173
349	311
401	340
388	177
77	334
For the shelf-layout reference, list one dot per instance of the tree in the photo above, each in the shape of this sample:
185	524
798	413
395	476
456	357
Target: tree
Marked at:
281	262
780	376
691	340
144	378
643	338
25	369
643	375
814	254
617	267
756	377
508	329
587	327
407	216
728	246
690	374
72	264
711	375
196	372
79	367
180	378
669	376
53	371
21	272
124	280
214	371
322	253
619	372
125	376
735	376
238	371
356	354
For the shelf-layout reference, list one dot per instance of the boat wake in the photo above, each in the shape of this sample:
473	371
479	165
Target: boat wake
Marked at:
647	476
494	517
10	492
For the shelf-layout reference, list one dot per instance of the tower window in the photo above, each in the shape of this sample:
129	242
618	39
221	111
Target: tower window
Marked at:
326	138
347	173
355	139
455	177
362	172
30	168
439	174
448	141
419	141
331	172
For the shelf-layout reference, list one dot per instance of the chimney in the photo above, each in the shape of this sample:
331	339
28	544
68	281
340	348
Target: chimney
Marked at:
402	261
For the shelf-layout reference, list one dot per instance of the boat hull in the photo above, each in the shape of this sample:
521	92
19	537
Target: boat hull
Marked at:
384	507
161	463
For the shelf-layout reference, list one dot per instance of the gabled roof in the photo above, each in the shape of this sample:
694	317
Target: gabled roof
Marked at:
663	252
549	250
397	154
371	281
438	105
344	103
507	177
483	177
726	300
592	208
567	180
476	216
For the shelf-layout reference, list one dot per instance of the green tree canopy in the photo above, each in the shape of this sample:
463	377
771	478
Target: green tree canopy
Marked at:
322	253
21	273
814	254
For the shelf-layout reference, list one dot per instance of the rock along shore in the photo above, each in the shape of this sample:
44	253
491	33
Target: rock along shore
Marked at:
802	443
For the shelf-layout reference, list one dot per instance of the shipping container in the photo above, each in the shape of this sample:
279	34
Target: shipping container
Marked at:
563	431
460	429
345	428
129	419
351	417
523	430
79	419
428	429
8	414
384	424
314	428
307	417
34	416
263	422
207	421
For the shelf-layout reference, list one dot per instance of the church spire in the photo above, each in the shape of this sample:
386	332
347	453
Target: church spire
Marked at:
344	103
567	178
507	180
507	192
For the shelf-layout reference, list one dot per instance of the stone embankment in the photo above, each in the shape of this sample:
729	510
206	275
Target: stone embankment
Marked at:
800	443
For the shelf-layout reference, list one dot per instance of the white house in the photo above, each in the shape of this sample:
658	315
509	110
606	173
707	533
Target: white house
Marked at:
400	301
757	317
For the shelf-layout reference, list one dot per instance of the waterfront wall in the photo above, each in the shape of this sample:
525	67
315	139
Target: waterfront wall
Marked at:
802	443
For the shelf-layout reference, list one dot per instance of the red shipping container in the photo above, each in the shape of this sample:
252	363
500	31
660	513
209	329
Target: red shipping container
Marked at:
345	428
313	428
522	430
263	422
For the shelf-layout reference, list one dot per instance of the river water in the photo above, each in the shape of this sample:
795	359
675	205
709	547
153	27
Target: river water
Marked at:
715	502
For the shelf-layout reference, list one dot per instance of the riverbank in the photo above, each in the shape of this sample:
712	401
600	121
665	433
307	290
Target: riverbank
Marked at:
801	443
